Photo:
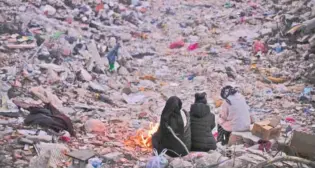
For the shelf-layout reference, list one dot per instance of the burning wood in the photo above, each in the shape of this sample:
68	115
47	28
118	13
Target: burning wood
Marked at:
142	138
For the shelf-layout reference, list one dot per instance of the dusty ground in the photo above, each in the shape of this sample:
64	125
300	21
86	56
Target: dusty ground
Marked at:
148	71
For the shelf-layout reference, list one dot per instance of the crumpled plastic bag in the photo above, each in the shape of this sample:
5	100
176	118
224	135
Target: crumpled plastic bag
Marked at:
50	155
259	47
158	161
193	46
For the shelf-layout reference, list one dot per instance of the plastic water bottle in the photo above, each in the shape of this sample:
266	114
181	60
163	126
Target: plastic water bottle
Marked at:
278	48
95	162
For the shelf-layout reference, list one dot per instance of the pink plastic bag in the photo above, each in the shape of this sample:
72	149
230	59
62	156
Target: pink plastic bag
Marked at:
290	120
259	47
193	46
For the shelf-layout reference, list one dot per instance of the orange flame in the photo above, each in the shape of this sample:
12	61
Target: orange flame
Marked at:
143	137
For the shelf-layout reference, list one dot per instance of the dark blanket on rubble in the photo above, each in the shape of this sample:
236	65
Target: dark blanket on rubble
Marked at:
49	117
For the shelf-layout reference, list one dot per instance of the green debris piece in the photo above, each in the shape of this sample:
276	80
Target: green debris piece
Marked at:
57	35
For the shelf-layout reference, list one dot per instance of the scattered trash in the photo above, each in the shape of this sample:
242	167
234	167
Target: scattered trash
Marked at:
265	130
259	47
81	158
290	120
177	44
134	98
158	161
193	46
95	162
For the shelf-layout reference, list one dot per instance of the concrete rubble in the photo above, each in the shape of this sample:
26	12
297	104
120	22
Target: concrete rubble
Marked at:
53	56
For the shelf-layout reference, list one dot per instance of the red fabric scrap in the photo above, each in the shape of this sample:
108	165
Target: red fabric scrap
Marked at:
177	44
290	120
99	7
264	145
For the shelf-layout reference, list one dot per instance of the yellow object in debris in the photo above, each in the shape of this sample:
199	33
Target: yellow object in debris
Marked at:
218	103
276	80
214	30
294	29
97	95
144	36
142	89
148	77
253	66
163	83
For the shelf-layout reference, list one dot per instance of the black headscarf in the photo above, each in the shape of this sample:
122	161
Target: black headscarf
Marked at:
173	105
226	92
201	98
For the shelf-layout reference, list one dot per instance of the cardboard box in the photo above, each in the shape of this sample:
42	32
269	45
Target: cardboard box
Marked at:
265	131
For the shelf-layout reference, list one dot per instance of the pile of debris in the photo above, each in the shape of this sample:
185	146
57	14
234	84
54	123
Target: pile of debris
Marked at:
85	81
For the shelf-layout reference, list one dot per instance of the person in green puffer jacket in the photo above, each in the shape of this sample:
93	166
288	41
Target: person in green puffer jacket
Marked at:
202	122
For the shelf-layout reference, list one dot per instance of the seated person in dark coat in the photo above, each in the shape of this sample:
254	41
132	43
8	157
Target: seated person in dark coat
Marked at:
176	140
202	123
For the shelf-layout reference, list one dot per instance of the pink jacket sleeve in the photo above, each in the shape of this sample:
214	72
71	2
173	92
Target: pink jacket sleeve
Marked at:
224	113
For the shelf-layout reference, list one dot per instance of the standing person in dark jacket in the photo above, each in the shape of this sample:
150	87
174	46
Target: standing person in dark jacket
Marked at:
174	130
202	123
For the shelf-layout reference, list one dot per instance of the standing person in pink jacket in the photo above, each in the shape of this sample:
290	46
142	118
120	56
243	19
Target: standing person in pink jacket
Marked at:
234	115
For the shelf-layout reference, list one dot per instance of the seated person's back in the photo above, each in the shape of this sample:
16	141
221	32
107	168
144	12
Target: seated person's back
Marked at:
173	117
202	123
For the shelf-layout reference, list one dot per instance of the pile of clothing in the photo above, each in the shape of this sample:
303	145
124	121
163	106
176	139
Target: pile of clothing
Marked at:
49	117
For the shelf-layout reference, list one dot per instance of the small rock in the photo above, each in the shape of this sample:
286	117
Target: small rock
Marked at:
20	163
311	56
180	163
22	8
52	76
96	87
142	114
126	2
287	104
200	79
105	150
17	155
49	9
126	90
94	125
125	36
97	143
266	31
123	71
123	160
114	156
84	75
2	19
209	160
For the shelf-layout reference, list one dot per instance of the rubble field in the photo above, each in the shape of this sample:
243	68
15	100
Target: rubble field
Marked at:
90	78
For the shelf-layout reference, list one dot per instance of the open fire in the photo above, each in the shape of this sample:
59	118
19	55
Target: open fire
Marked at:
143	137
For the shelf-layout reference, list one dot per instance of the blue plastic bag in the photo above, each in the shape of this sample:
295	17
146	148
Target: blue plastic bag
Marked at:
158	161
